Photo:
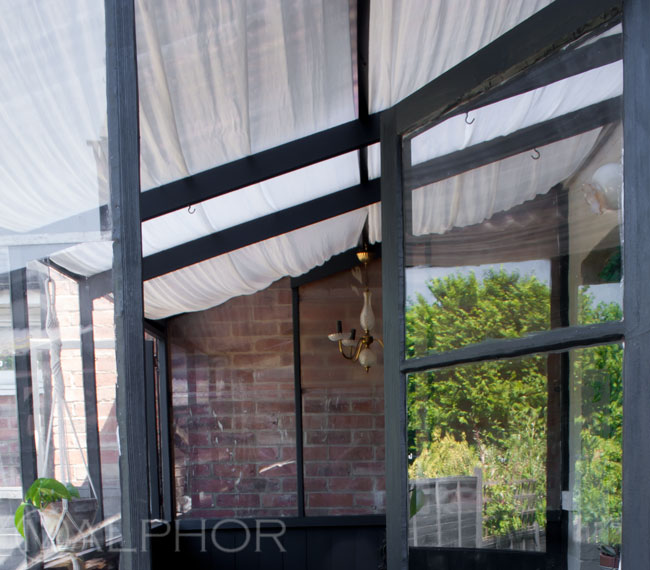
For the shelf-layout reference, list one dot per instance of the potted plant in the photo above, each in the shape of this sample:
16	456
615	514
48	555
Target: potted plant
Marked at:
63	513
609	556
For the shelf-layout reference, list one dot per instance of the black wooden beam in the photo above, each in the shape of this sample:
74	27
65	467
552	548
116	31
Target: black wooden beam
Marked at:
87	339
531	41
392	272
636	271
24	404
561	65
152	432
546	341
258	167
124	176
260	229
166	435
538	135
363	99
297	380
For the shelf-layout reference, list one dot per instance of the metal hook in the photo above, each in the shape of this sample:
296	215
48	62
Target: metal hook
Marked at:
535	157
191	209
467	117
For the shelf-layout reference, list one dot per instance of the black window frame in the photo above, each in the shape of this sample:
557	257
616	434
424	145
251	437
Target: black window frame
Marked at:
527	51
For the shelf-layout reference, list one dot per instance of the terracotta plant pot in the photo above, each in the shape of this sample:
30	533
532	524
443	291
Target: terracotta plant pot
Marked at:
63	520
607	561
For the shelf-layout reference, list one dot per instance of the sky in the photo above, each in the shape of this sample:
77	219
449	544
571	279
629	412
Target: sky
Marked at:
417	277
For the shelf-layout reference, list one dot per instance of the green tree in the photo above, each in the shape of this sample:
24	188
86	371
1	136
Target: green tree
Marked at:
493	414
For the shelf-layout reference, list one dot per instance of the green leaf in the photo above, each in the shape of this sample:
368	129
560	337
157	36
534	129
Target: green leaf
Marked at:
19	519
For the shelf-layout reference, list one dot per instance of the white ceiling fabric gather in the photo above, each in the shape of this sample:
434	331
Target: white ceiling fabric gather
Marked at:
251	268
222	79
414	41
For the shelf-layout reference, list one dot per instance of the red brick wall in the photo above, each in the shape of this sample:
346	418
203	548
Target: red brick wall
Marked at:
233	397
343	406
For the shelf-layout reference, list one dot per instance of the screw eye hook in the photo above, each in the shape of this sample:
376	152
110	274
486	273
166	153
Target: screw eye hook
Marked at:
191	209
467	119
536	153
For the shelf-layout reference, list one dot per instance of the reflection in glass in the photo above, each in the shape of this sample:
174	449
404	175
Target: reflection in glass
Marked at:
492	252
233	408
477	449
485	460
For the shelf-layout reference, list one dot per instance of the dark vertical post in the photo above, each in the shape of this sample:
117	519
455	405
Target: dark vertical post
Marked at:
636	271
558	370
124	176
152	435
90	397
164	400
393	318
363	43
24	403
297	379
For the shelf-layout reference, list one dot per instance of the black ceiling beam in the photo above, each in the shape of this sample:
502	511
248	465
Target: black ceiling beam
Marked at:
530	42
560	66
259	167
537	135
363	98
260	229
554	340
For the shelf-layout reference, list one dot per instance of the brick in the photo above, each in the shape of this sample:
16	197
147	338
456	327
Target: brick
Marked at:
330	500
368	437
351	484
238	500
284	500
350	422
351	453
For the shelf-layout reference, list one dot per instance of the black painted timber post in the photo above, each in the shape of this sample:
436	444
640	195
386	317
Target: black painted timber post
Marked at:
25	405
124	176
636	271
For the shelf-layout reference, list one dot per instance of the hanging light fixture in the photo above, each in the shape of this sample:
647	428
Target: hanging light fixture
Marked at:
349	347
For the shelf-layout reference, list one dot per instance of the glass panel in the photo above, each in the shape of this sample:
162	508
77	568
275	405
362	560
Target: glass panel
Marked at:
485	453
54	192
523	244
106	381
596	453
343	405
234	408
10	484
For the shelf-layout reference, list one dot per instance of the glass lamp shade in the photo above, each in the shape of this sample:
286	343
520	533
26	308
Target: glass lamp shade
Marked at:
367	316
367	358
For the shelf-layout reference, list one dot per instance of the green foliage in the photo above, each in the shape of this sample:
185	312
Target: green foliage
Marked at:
444	456
493	414
41	493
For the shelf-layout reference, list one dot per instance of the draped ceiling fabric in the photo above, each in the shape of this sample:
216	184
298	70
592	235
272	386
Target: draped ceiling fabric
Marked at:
220	80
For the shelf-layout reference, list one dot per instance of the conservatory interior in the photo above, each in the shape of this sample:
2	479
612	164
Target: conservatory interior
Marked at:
324	284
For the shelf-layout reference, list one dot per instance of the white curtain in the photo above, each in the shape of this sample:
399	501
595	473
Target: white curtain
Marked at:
221	79
53	111
414	41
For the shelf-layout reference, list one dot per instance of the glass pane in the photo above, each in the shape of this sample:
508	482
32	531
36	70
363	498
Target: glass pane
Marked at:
596	452
54	192
10	484
523	244
106	381
234	408
343	405
485	453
